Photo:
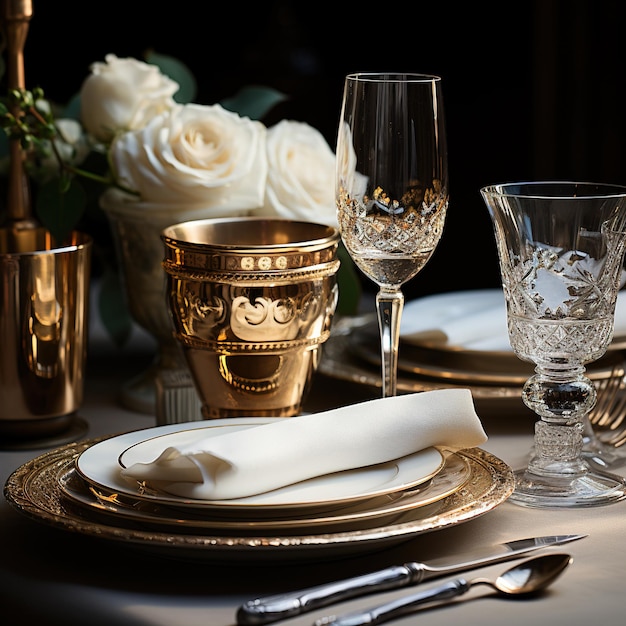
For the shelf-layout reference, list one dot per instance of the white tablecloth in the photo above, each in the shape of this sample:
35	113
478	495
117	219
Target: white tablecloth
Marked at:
49	576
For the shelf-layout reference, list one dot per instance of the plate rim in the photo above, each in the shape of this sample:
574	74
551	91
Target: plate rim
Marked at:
341	363
462	506
248	504
375	509
129	489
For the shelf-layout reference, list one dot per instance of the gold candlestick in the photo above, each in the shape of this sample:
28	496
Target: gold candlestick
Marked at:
16	19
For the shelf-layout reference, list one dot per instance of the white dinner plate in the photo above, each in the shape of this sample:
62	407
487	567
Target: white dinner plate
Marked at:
101	465
453	477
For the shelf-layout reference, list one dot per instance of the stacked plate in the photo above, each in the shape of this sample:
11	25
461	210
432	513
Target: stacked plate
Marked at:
79	487
448	340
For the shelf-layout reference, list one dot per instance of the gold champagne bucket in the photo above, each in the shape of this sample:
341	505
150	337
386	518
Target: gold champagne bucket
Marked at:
44	300
252	302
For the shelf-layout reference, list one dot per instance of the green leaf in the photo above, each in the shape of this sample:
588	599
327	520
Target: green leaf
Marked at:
253	101
178	72
112	307
349	283
60	209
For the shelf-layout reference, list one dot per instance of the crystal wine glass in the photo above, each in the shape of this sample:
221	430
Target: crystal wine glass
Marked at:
561	248
391	188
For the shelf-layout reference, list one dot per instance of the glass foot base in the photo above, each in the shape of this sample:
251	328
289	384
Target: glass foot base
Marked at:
604	457
601	455
593	488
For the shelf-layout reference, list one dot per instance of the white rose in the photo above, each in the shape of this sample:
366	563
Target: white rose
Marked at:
195	155
72	144
123	94
301	174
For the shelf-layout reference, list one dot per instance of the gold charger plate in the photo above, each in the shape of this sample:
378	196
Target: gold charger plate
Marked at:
340	362
461	367
438	362
33	490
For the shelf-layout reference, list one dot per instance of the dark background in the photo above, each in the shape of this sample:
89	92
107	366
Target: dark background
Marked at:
532	90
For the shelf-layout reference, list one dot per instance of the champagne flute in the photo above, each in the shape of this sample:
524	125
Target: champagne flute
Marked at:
391	188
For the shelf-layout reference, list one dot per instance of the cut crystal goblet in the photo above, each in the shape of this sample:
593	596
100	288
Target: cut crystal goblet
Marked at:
560	248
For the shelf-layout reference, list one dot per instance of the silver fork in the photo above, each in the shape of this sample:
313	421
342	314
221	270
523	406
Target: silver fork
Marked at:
615	438
617	415
602	431
605	430
610	402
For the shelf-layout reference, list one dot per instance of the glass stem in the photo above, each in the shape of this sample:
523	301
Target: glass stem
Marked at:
389	305
562	398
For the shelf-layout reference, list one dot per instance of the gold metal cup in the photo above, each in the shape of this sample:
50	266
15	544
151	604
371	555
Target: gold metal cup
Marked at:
252	302
44	300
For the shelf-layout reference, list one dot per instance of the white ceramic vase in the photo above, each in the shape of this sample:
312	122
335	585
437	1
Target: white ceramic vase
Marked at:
137	228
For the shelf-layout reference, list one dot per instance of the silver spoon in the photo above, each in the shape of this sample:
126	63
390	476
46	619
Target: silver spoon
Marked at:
527	578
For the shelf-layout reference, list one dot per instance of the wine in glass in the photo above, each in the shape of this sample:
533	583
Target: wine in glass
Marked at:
561	249
391	188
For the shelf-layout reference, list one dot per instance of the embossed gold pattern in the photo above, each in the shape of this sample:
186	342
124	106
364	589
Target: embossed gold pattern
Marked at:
252	301
34	490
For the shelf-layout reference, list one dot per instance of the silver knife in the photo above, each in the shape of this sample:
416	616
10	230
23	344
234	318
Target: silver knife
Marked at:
284	605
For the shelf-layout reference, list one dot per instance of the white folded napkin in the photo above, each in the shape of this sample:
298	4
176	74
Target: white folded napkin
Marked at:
472	320
266	457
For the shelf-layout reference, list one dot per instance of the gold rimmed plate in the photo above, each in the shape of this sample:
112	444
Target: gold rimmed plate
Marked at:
433	362
493	369
33	489
454	476
341	361
480	354
101	465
